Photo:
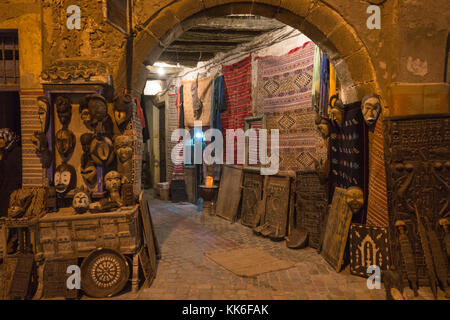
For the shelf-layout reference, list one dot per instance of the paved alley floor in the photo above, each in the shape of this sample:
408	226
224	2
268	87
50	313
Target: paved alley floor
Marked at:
184	272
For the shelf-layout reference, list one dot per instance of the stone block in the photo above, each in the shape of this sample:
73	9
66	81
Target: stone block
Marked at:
290	19
418	98
326	19
360	66
299	7
213	3
345	40
162	23
186	9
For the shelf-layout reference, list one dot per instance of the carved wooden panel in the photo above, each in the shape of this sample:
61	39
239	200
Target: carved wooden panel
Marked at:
417	156
336	230
368	246
276	198
251	194
21	279
229	193
311	205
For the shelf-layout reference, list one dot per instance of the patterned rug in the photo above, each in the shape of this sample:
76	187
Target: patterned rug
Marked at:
284	94
248	262
377	209
204	94
238	88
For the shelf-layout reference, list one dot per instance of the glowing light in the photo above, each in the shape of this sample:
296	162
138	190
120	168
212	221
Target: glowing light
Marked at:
161	71
152	87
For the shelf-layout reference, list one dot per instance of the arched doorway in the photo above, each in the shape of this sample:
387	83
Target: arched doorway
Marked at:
319	22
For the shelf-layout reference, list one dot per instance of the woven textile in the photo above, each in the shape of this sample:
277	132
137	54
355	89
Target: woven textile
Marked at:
238	88
349	154
204	94
284	94
377	209
172	125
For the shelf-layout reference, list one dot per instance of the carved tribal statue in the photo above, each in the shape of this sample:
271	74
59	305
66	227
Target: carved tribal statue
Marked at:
123	146
113	184
123	110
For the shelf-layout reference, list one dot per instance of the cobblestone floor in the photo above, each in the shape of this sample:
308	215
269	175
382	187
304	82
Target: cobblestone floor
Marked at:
184	272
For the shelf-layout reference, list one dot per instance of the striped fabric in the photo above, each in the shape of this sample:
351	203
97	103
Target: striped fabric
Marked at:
171	125
253	148
238	88
377	209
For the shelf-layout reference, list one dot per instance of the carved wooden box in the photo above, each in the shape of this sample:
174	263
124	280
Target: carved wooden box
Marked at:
66	235
311	205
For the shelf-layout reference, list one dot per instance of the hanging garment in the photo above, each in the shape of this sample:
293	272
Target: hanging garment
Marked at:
316	79
324	85
180	105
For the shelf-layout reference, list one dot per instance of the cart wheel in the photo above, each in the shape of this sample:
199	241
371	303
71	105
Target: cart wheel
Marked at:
104	273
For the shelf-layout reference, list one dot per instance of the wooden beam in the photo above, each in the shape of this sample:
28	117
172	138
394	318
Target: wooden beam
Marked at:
187	57
219	36
180	46
229	23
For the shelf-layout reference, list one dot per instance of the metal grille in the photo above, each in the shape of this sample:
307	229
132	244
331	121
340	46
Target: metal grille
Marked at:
9	59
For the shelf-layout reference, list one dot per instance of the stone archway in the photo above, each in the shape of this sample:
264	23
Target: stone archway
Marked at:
324	25
321	23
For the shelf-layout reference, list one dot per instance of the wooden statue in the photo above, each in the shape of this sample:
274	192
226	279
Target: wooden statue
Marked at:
64	110
40	143
337	110
65	143
123	146
123	110
43	112
113	184
371	108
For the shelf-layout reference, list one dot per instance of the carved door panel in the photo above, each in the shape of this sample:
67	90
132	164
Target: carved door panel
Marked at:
277	205
253	183
311	205
229	193
417	153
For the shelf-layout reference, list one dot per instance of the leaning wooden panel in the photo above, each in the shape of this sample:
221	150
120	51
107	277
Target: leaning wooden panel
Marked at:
276	205
251	194
369	246
311	206
229	193
149	237
336	230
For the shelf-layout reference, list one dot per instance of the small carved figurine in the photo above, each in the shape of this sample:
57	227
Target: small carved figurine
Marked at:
65	143
43	112
40	143
123	110
123	146
337	110
113	184
85	140
371	108
65	178
355	199
323	125
64	110
81	200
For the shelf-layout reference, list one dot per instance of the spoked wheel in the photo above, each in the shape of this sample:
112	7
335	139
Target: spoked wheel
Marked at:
104	273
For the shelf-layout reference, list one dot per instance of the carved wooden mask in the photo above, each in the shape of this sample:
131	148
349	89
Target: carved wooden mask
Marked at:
81	201
64	110
123	146
123	110
371	108
65	142
355	198
65	178
101	150
43	112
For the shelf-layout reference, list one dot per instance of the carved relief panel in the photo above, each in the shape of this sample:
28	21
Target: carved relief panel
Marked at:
253	184
418	176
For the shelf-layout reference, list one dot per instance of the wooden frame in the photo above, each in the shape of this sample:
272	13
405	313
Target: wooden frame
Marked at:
248	122
149	237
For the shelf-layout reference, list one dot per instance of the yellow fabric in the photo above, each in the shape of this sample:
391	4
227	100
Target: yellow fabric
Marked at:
332	90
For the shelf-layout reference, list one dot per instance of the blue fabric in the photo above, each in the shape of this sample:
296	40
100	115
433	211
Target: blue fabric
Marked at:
324	85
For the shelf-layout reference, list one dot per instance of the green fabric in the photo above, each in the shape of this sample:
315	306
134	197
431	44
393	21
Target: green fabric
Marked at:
316	79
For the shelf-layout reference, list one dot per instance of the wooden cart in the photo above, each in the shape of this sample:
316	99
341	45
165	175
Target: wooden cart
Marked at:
103	244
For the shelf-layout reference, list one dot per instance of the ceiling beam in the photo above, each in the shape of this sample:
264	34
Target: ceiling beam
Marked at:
220	36
240	24
180	46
